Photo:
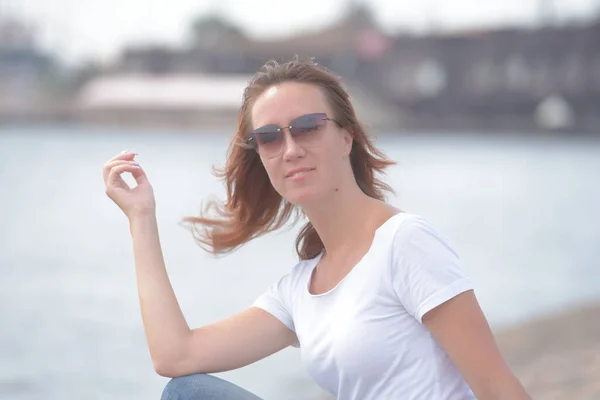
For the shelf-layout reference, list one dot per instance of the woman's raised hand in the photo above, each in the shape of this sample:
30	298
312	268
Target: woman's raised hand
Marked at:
136	201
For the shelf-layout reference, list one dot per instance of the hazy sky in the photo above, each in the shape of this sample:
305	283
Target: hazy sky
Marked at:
77	29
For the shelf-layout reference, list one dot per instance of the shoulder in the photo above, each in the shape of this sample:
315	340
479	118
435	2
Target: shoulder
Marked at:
414	228
425	269
414	237
298	274
304	267
283	290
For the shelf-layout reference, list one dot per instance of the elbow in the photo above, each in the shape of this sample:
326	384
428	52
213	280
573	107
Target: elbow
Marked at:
171	362
164	369
170	368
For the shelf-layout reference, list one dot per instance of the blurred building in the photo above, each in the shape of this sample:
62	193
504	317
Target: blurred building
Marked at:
174	99
512	79
503	80
219	62
26	75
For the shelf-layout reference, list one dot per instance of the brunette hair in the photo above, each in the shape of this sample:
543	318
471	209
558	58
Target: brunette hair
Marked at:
253	207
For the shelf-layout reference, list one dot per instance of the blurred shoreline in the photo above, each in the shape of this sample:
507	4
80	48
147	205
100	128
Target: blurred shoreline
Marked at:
225	122
557	356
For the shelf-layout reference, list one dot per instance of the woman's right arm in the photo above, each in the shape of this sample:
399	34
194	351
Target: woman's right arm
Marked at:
175	349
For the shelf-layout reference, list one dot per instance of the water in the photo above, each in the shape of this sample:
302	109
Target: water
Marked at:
523	214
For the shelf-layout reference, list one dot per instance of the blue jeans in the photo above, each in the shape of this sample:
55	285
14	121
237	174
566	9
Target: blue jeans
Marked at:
204	387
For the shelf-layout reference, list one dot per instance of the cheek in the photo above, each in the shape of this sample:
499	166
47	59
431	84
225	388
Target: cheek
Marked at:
336	145
272	173
330	166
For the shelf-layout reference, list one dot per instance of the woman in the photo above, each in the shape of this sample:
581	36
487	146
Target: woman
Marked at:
378	303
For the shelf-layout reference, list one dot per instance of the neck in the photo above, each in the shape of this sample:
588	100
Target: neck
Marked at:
343	218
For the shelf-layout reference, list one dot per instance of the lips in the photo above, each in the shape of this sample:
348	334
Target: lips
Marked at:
297	172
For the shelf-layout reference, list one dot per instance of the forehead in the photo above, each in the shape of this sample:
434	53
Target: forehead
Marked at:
283	102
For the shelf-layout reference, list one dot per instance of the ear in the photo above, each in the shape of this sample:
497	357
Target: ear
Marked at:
348	140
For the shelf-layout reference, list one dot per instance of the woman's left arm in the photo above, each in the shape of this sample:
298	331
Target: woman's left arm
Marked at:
463	331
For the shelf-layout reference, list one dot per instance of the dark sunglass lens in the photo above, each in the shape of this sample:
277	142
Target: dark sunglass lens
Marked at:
267	137
268	140
267	134
307	123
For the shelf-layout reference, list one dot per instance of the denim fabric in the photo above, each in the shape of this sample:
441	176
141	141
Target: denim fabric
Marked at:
204	387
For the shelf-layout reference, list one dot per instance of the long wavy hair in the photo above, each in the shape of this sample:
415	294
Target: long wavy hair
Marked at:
253	207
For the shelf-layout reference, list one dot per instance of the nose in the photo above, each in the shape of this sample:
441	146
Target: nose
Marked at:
290	148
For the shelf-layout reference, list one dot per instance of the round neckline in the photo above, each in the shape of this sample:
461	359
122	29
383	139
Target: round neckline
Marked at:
317	259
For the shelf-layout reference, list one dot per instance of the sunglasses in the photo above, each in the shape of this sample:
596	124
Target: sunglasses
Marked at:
305	129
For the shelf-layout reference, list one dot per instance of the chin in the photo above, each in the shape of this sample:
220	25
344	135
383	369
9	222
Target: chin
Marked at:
299	199
303	197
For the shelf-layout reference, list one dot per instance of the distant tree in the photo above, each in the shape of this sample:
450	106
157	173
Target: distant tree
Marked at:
15	34
359	13
211	31
84	73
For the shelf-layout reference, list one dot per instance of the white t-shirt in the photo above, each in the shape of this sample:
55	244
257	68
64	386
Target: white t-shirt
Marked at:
364	339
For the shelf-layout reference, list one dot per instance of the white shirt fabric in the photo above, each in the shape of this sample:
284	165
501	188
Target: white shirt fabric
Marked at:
364	339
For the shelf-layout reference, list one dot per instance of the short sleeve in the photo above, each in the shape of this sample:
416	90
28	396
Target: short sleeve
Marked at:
426	270
275	301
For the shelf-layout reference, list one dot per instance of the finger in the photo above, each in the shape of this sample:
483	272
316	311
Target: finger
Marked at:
125	155
111	164
139	175
114	177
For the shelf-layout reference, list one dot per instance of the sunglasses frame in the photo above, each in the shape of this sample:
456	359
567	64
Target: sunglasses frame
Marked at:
252	143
